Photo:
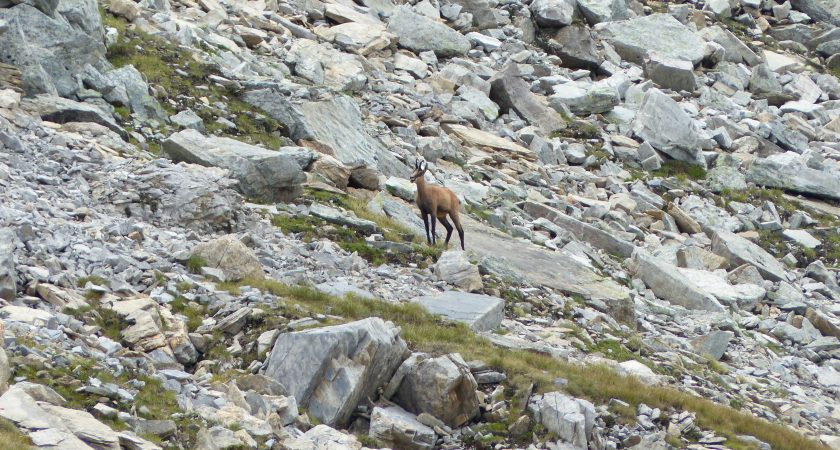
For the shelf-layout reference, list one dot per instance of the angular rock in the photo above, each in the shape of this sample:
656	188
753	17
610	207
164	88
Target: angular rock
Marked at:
143	106
735	50
443	387
820	10
581	230
229	254
62	110
5	371
700	259
802	238
511	92
330	370
188	119
576	47
263	174
671	73
738	251
397	428
8	275
663	123
597	11
454	268
790	172
668	283
323	437
336	122
570	419
323	65
713	344
634	39
480	312
48	51
553	13
420	33
596	99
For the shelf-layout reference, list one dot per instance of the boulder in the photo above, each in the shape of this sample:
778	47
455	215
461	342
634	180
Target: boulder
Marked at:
454	268
820	10
663	124
597	11
668	283
339	217
330	370
323	65
262	174
480	312
398	428
143	106
570	419
420	33
697	258
62	110
738	251
188	119
671	73
576	47
512	93
634	39
231	256
443	387
336	122
553	13
763	81
790	172
713	344
580	230
802	238
734	49
49	51
595	99
322	437
5	371
8	274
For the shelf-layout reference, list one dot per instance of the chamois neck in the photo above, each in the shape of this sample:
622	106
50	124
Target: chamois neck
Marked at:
421	183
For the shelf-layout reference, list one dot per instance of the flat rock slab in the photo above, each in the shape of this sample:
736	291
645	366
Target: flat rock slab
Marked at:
62	110
741	251
480	312
788	171
476	137
634	39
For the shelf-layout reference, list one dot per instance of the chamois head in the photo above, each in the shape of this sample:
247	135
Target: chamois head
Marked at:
419	170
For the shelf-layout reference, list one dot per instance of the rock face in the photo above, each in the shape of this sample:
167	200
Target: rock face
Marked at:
633	39
576	47
336	123
667	282
49	51
581	230
231	256
262	174
788	171
420	33
62	110
571	419
442	387
8	275
553	13
454	267
397	428
480	312
512	93
330	370
738	250
143	106
662	123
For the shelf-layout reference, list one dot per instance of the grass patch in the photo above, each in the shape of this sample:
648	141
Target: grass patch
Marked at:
95	279
193	311
682	170
425	332
195	263
577	129
11	438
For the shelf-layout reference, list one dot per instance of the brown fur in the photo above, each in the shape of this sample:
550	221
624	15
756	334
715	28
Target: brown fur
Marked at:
437	202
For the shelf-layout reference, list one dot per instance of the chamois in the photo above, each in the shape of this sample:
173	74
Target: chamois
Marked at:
437	202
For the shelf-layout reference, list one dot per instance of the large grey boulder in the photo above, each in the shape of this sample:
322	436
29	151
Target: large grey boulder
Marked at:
48	51
443	387
398	428
322	437
336	122
553	13
570	419
789	171
671	73
580	230
744	295
663	124
820	10
763	81
82	15
597	11
323	65
143	106
511	92
62	110
480	312
738	251
419	33
231	256
633	39
453	267
734	49
7	265
594	99
668	283
330	370
262	174
576	47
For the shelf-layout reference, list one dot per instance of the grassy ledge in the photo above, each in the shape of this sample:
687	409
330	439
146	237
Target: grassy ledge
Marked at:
429	333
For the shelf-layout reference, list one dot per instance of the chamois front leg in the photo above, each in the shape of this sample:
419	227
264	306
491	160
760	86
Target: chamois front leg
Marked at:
434	234
426	225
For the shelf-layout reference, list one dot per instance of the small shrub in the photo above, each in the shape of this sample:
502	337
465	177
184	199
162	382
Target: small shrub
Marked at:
681	170
195	263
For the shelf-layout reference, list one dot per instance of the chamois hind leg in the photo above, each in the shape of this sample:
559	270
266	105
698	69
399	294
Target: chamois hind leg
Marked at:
456	219
426	224
449	229
434	234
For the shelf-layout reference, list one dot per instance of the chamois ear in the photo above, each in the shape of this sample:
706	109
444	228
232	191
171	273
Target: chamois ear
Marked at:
423	165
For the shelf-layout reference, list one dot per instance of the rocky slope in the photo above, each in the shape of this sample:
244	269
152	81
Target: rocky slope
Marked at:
208	241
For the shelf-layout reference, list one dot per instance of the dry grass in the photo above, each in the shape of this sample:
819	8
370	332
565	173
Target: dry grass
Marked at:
11	438
425	332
